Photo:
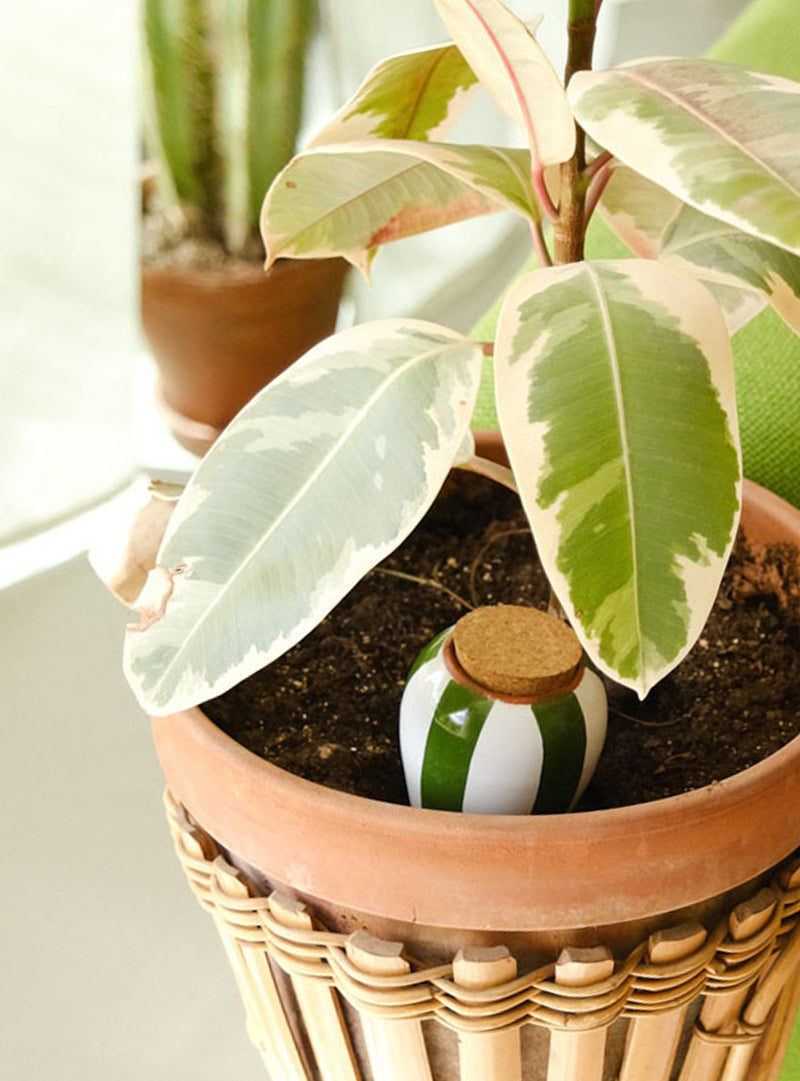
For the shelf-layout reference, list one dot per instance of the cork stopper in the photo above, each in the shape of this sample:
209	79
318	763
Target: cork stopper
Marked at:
517	652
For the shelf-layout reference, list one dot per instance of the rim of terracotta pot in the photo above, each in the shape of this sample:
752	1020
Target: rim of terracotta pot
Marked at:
504	873
239	273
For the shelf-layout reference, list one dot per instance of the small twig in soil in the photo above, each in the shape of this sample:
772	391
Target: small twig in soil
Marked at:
639	720
473	570
424	582
674	760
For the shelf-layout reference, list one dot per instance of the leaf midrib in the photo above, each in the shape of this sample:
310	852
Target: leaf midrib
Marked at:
712	124
526	188
291	506
437	61
516	86
605	315
490	195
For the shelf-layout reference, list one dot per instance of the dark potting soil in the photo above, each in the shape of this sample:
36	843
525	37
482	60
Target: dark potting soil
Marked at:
327	710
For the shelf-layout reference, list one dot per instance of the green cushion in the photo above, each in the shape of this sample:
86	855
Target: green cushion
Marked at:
791	1064
764	38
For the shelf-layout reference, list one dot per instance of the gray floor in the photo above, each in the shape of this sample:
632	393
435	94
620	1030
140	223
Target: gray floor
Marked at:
108	969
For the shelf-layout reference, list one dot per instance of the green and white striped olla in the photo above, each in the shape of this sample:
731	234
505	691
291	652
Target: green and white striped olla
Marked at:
463	750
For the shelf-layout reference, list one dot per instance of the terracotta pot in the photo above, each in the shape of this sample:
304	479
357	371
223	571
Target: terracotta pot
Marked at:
220	336
439	881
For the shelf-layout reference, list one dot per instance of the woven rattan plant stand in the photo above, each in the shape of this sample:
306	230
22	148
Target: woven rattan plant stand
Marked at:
689	1002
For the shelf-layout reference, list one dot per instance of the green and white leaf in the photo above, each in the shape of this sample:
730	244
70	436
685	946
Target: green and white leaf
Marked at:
416	95
726	259
515	71
616	401
322	475
643	215
741	271
722	139
349	199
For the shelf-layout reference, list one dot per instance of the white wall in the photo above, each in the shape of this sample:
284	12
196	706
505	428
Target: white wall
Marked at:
68	222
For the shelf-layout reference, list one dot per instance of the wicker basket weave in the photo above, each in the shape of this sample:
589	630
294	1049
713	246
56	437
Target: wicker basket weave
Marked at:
690	1003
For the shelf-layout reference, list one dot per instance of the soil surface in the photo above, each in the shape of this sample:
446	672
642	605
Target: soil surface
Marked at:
328	709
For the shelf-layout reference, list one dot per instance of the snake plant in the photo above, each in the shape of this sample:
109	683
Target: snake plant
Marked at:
223	86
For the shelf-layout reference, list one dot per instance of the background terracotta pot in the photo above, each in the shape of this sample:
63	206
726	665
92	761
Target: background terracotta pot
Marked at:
440	882
219	336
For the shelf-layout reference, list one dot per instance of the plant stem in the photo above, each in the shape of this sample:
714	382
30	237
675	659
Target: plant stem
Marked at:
570	226
582	9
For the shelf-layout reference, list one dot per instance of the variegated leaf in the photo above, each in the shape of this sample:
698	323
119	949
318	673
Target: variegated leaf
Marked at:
729	261
416	95
639	211
323	474
514	69
349	199
721	138
616	401
644	216
741	271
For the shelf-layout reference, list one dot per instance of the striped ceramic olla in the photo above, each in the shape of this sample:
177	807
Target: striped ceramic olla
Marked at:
465	748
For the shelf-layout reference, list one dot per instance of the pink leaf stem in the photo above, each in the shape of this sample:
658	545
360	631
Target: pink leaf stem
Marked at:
597	187
540	244
538	177
543	195
597	164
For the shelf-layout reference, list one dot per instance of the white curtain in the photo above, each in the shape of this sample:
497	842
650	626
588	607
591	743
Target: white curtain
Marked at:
68	223
633	28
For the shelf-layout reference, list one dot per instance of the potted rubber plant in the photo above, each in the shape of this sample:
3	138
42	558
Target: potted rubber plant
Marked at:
223	91
616	403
